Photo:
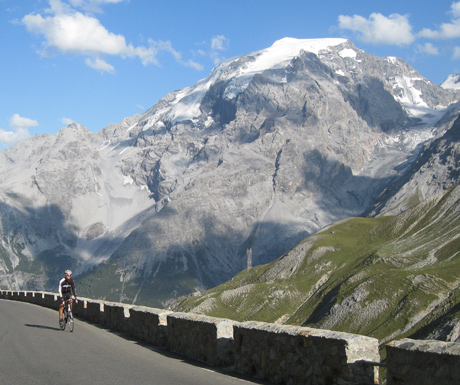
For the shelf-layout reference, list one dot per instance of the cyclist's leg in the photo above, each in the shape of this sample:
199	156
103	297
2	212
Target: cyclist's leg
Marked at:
63	304
61	309
68	304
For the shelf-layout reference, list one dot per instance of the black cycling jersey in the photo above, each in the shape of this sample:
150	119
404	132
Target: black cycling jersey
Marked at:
67	287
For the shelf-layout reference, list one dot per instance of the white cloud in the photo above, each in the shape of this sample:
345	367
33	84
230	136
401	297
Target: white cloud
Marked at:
67	121
447	30
194	64
220	43
19	130
427	48
166	46
71	32
99	64
58	7
13	137
455	9
379	29
18	121
76	33
456	54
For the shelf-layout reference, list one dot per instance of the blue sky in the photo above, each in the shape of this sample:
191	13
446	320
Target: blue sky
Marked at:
98	61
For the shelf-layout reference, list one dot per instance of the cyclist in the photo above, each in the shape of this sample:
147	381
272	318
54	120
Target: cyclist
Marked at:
66	289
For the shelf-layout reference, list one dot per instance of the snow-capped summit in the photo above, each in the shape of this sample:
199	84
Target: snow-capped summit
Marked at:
233	76
284	50
238	72
452	82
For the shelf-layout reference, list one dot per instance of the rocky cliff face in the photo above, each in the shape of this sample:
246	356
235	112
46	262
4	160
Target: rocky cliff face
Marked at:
269	148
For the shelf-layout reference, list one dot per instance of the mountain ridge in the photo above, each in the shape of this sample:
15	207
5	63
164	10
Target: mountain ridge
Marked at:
171	200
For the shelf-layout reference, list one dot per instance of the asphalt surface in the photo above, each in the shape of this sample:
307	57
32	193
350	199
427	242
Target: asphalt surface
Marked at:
33	350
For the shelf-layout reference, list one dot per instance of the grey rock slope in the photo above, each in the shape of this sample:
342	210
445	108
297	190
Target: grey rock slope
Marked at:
435	170
269	148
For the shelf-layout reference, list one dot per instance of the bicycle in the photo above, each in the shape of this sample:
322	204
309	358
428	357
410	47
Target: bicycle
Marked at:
67	317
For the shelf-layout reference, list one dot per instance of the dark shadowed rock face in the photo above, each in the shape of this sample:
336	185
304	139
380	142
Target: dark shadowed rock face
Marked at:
269	148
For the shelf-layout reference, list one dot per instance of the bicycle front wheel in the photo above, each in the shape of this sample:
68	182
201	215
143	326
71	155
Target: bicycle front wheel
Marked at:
70	322
63	322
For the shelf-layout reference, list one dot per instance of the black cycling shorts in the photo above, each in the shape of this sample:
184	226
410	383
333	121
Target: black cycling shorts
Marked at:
67	295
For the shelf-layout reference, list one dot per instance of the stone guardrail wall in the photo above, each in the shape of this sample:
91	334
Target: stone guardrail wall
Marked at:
423	362
280	354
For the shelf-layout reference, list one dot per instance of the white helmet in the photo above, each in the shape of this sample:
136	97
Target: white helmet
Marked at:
68	272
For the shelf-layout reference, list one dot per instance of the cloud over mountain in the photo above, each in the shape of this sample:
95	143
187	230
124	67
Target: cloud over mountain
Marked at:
69	31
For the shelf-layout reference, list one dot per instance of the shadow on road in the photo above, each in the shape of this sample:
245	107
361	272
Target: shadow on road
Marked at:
42	327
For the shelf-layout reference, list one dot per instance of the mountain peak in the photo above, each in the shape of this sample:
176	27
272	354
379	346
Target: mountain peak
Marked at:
452	82
285	50
239	71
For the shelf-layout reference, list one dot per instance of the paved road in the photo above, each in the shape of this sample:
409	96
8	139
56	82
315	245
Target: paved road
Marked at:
33	350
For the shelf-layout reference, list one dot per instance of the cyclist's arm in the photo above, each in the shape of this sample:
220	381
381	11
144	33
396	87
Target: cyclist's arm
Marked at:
60	288
73	289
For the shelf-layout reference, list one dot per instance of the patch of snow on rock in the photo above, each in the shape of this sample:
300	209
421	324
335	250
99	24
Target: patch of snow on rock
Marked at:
348	52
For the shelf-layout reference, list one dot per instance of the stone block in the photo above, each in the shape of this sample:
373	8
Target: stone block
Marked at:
149	324
423	362
203	338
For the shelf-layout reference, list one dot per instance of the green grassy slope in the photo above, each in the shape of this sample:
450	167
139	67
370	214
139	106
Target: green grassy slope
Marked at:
385	277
